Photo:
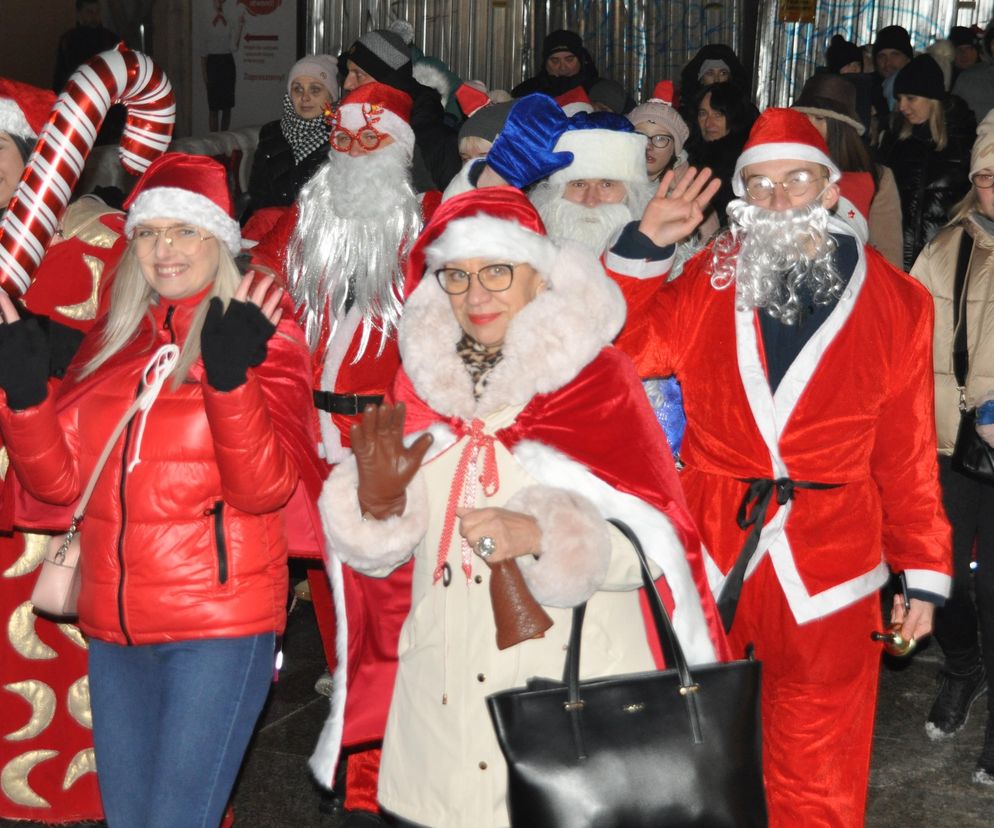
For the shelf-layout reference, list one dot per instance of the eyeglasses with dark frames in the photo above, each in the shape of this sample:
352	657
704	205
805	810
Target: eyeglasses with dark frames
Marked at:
494	277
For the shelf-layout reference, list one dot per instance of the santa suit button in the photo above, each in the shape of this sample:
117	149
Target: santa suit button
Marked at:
483	765
480	677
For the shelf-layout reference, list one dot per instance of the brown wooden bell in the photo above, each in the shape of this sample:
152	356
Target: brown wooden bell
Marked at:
517	615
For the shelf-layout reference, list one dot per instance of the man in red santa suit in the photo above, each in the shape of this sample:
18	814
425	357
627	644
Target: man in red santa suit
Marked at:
810	449
342	249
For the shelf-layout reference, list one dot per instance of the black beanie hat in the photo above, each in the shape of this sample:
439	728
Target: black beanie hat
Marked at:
562	40
962	36
893	37
921	77
382	55
841	52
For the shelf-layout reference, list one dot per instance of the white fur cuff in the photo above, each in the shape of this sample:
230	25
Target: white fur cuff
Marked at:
370	546
575	550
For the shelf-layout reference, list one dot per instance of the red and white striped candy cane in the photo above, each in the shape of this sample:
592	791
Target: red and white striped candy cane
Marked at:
115	76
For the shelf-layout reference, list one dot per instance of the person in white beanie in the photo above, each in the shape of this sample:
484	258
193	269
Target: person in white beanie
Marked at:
664	129
184	542
603	189
291	149
961	258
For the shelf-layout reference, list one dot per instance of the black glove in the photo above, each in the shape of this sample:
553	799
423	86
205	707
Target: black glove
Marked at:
24	358
232	341
63	341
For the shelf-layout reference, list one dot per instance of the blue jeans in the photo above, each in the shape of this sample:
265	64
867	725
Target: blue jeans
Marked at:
171	723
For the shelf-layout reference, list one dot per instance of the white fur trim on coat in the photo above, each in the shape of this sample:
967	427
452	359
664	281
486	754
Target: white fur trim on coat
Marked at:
547	343
575	548
187	207
659	539
370	546
488	237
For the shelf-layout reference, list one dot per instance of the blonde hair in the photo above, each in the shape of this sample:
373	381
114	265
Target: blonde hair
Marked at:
936	125
131	297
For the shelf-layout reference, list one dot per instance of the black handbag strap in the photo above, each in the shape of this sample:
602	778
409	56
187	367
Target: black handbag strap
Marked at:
961	354
668	641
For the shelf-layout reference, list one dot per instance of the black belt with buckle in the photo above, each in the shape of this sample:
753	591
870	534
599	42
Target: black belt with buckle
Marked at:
350	404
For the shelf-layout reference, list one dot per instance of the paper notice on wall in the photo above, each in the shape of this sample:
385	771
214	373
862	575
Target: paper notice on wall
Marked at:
242	51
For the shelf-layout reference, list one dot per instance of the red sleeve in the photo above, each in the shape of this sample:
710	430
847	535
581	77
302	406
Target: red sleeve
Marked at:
41	447
271	250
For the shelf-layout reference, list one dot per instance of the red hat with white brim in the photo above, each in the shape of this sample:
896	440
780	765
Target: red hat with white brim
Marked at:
783	134
191	189
491	223
24	109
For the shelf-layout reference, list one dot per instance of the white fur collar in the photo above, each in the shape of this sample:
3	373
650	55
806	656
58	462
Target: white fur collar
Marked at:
548	343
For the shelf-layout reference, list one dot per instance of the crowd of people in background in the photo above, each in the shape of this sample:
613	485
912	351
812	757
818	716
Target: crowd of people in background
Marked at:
421	356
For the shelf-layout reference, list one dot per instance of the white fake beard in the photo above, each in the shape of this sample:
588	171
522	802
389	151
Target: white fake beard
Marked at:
593	227
771	255
358	217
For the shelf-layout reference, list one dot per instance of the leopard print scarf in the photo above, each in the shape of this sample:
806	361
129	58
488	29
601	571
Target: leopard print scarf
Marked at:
478	361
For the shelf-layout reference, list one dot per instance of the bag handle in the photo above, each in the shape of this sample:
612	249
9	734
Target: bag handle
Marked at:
961	352
161	364
668	641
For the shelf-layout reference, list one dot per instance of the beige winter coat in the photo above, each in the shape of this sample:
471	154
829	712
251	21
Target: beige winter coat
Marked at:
936	269
441	764
884	220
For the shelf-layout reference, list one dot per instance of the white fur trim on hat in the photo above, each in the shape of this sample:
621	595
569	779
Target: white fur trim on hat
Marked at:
187	207
12	120
602	153
488	237
777	152
352	117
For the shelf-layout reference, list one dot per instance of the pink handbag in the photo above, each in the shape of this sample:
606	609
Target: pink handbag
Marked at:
56	592
57	588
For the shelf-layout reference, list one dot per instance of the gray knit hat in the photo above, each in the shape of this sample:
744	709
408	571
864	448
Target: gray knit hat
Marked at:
381	54
487	122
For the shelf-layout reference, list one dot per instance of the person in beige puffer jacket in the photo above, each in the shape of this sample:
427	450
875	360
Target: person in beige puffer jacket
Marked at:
965	625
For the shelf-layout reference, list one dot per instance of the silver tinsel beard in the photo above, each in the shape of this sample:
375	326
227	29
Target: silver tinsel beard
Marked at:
357	219
772	255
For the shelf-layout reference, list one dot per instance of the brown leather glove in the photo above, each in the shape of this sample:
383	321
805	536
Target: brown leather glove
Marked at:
385	466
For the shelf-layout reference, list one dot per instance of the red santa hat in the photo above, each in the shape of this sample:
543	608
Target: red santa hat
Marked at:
471	99
783	134
191	189
24	108
576	100
380	106
492	222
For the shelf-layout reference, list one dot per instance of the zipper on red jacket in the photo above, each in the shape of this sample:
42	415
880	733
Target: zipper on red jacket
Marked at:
167	325
219	542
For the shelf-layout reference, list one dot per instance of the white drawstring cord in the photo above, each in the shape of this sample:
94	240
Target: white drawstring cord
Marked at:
160	366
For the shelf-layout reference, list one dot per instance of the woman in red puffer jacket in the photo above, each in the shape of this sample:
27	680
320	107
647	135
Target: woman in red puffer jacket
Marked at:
183	560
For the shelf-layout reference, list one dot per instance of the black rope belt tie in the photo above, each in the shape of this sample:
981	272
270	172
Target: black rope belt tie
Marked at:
752	513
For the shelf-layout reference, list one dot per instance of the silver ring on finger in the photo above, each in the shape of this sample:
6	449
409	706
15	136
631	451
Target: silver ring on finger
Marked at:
486	546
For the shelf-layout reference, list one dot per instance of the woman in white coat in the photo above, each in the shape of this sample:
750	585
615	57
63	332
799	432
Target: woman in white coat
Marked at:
534	430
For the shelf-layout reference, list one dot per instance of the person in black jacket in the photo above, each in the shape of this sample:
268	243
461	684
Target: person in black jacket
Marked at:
928	148
383	56
713	63
722	118
566	64
291	149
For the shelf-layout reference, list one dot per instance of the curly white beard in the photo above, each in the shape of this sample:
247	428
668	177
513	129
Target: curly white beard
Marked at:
778	260
358	217
593	227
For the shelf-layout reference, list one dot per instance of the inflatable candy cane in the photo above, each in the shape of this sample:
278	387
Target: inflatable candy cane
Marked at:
115	76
